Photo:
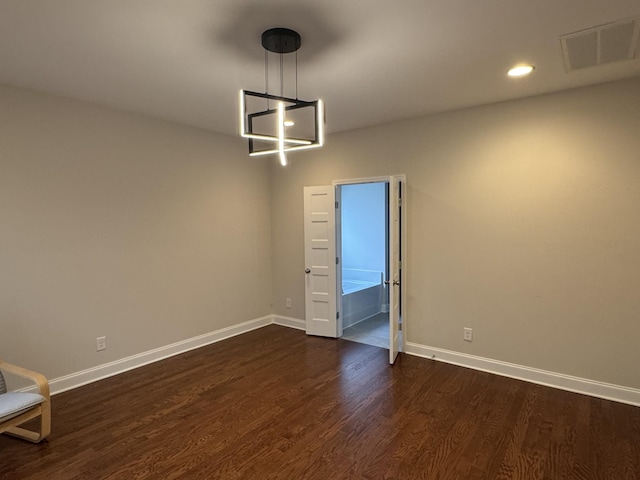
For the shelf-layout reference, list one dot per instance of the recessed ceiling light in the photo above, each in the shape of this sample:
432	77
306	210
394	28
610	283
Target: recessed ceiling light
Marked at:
520	70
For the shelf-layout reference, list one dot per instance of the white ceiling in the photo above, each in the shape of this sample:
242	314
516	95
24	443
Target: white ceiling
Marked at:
372	61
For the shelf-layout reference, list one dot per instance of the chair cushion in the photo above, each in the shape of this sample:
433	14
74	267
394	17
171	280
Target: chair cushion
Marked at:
13	404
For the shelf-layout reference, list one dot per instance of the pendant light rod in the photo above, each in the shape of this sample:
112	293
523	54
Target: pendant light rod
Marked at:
280	41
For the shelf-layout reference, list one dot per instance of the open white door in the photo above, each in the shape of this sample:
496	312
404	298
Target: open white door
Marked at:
320	261
395	204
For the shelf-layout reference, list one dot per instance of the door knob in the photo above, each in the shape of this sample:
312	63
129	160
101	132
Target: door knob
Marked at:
306	270
396	282
387	282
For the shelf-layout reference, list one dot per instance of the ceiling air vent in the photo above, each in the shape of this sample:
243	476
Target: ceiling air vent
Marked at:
608	43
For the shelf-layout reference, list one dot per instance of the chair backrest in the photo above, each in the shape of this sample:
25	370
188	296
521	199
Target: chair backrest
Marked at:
3	386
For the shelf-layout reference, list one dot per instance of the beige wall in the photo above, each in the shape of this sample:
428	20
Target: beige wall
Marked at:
523	223
120	225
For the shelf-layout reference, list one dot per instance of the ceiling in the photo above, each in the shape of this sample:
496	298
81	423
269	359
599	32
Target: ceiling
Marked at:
372	61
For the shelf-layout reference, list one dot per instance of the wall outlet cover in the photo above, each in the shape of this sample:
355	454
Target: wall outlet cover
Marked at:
468	334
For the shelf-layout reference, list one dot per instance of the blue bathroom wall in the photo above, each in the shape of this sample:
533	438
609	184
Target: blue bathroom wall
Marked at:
363	226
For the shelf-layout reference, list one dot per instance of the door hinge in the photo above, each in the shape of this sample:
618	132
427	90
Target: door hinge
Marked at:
336	204
337	261
400	265
337	315
400	202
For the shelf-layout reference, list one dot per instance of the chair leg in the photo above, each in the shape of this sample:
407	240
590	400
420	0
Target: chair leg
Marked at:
45	420
35	436
24	434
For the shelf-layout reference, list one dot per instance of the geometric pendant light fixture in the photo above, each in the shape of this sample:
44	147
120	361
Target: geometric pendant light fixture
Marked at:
275	124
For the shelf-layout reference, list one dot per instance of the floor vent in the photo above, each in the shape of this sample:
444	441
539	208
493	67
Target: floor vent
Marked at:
608	43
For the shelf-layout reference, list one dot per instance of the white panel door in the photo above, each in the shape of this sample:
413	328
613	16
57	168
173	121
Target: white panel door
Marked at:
394	266
320	261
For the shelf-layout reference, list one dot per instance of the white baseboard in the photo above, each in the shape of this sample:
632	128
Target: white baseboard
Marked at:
289	322
607	391
78	379
593	388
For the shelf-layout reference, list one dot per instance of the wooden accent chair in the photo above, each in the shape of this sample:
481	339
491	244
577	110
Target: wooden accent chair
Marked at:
17	408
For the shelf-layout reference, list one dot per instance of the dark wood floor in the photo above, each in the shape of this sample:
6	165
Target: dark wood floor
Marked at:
274	403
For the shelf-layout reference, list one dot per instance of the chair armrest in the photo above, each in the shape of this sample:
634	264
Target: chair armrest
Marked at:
38	378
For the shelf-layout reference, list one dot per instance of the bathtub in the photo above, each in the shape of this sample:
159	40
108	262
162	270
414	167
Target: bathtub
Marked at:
362	295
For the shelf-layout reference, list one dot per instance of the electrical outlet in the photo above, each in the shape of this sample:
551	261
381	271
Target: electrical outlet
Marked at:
101	343
468	334
288	303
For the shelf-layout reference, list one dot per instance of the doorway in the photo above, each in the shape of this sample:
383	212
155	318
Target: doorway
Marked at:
323	268
364	252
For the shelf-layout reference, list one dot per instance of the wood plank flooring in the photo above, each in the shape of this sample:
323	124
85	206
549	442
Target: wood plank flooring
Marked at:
276	404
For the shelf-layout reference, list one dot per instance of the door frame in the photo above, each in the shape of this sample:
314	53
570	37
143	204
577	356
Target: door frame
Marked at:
403	246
